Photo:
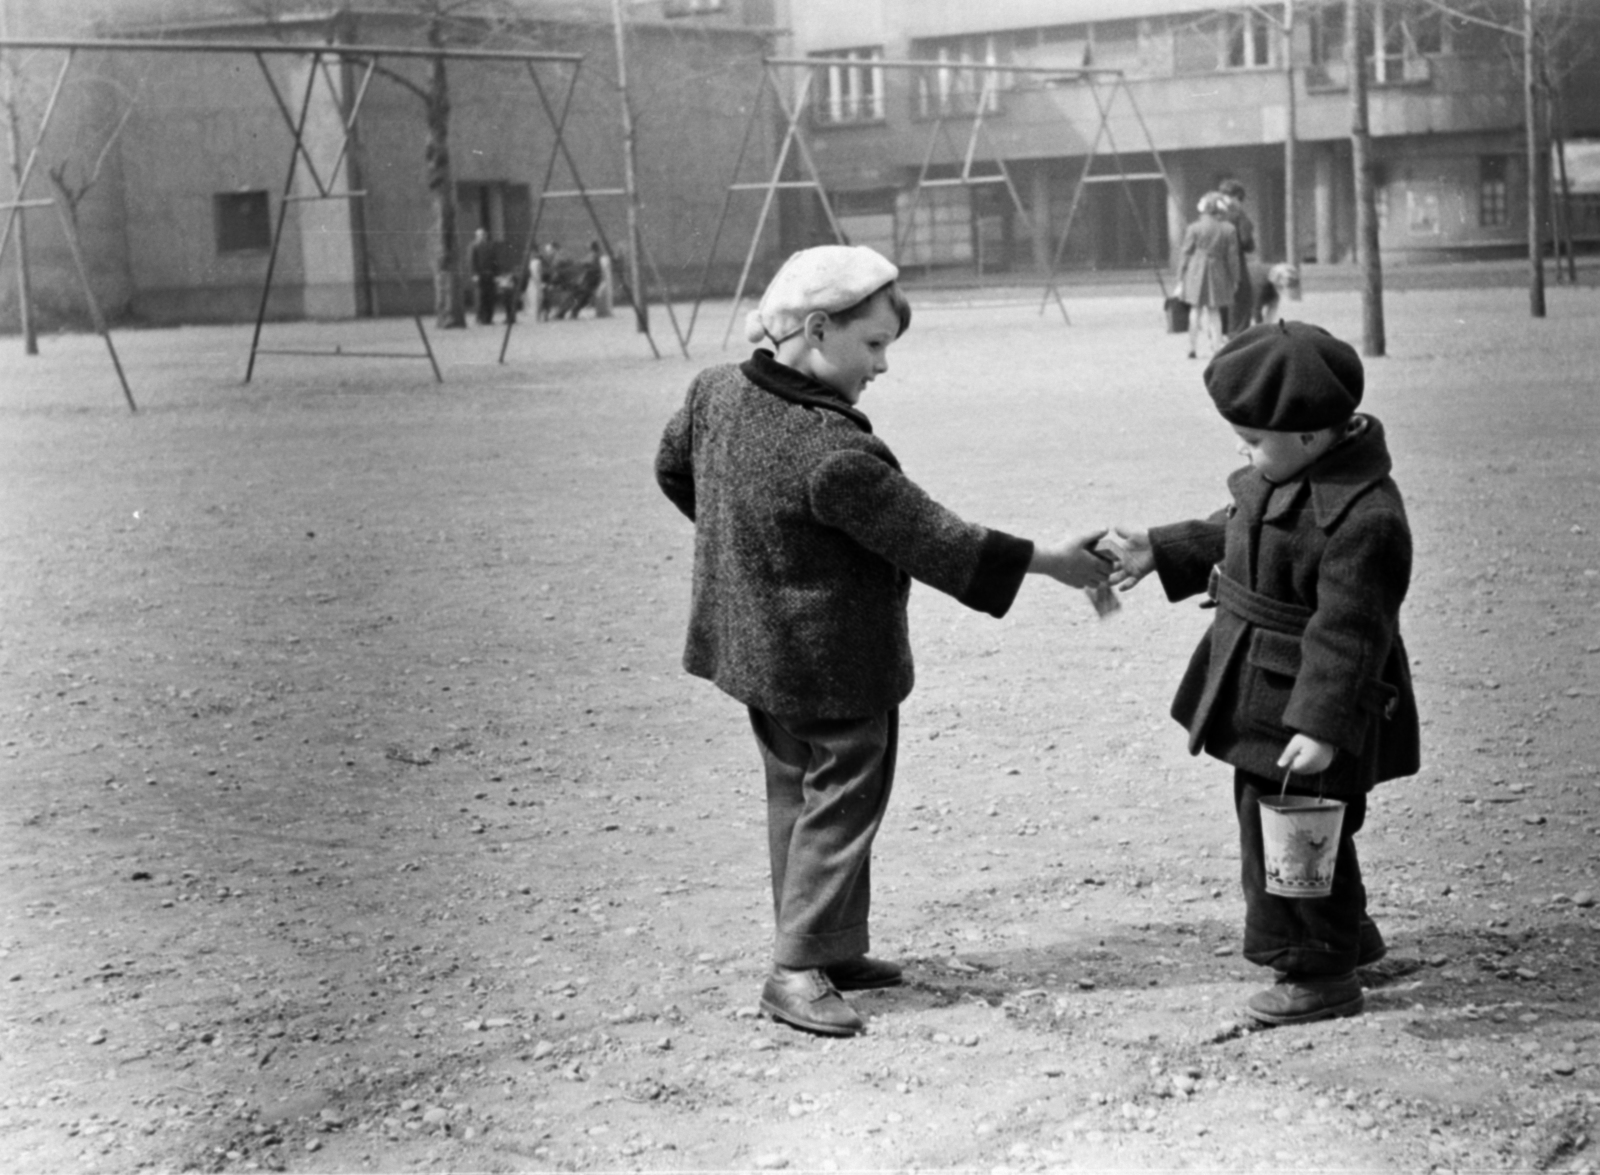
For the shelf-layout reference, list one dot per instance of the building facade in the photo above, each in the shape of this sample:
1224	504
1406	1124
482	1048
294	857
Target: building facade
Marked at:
1209	91
189	154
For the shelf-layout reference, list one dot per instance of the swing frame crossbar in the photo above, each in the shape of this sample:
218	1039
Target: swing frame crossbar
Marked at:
320	57
792	113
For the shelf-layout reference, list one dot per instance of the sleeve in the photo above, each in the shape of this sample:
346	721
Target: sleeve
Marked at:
1361	583
886	512
675	459
1185	553
1186	251
1247	235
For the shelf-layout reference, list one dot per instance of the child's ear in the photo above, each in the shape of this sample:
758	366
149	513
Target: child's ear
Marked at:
816	326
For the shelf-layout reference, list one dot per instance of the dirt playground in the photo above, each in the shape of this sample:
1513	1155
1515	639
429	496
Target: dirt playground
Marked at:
357	816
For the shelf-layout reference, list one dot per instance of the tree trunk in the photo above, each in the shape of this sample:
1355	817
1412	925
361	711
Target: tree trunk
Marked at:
1536	156
448	308
1372	333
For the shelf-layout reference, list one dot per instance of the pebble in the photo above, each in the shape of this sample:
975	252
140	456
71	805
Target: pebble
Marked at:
1564	1067
1365	1121
770	1162
1583	898
542	1050
435	1116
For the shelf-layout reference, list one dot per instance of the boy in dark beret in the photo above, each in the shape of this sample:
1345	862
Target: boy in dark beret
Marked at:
1303	670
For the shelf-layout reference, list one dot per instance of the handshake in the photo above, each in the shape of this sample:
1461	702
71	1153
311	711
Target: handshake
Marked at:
1098	562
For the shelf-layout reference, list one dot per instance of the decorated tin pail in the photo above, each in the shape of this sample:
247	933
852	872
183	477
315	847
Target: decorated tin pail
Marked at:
1300	844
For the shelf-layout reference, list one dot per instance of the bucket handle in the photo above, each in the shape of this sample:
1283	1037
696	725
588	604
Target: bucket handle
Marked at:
1283	790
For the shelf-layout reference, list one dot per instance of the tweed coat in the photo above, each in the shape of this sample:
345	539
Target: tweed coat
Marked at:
807	537
1209	262
1309	579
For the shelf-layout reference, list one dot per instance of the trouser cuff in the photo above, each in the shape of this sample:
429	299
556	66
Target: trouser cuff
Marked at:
819	950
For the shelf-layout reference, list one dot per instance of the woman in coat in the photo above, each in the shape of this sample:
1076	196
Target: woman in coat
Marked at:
1208	269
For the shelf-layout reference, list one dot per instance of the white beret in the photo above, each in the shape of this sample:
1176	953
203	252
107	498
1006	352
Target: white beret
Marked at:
827	278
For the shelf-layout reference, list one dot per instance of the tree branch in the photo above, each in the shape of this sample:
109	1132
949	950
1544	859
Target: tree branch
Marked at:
1457	14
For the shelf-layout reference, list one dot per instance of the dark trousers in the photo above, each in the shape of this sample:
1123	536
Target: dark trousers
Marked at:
486	297
828	783
1313	937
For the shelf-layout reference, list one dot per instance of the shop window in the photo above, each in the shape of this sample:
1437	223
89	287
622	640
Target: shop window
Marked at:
848	88
243	221
1494	204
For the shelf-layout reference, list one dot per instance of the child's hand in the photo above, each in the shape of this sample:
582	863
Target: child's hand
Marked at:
1132	553
1306	756
1073	561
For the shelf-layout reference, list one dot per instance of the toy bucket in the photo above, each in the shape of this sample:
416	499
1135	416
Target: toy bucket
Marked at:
1177	311
1300	844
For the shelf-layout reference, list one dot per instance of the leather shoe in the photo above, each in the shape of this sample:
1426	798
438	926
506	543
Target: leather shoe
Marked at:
864	973
1303	999
806	999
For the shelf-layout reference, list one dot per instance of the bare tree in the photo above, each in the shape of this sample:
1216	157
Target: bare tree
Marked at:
444	24
1542	52
1373	341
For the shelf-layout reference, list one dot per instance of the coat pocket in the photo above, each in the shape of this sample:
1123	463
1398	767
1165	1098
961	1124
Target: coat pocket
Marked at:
1272	663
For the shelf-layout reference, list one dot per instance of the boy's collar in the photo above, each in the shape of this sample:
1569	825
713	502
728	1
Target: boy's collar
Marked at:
1334	480
764	370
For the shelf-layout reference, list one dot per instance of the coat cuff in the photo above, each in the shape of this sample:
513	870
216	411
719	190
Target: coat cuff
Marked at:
1002	563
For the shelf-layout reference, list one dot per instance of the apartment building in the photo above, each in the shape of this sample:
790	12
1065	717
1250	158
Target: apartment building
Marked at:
188	154
1200	92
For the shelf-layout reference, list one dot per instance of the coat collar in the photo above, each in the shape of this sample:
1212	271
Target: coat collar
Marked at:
1333	483
764	370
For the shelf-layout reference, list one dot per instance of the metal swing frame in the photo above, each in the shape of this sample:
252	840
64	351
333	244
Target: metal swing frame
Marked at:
795	138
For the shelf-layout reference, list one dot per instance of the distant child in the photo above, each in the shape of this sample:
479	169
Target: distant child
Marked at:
807	537
1303	667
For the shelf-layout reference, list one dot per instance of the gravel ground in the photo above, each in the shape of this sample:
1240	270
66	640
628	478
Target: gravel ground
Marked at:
358	816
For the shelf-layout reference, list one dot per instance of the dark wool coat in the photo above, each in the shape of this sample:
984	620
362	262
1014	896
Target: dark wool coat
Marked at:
1309	580
807	536
1208	263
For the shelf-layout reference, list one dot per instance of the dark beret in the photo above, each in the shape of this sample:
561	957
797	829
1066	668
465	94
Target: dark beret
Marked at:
1286	377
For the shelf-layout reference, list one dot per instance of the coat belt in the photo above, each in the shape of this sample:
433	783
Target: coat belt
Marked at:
1254	608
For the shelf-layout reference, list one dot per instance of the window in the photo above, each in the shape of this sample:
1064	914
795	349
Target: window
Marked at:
243	221
1494	208
1243	39
950	89
1327	35
1406	36
849	88
1248	38
694	7
1115	44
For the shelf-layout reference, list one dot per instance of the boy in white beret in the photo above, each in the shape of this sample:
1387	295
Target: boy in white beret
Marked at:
1303	670
807	537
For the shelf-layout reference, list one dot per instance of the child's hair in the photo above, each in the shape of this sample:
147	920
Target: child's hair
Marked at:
897	303
1231	188
1213	204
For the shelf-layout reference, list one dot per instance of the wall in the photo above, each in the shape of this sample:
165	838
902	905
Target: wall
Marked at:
204	124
